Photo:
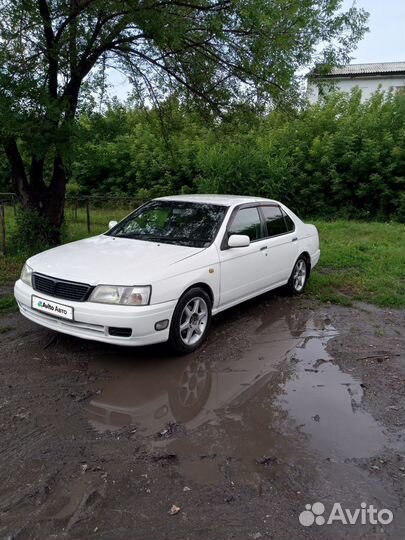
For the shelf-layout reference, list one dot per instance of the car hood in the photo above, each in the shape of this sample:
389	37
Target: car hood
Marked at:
110	260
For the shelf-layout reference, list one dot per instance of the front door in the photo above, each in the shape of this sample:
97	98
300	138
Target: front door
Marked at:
244	270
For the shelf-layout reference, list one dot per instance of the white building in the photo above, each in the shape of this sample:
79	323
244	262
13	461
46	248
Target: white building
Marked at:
367	77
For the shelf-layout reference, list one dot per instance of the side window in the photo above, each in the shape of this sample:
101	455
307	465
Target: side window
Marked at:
289	222
247	221
274	220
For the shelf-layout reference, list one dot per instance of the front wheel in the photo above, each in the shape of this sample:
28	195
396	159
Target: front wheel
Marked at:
299	276
191	321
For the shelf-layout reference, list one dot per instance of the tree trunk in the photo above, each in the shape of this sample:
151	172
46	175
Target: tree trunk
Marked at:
54	210
48	201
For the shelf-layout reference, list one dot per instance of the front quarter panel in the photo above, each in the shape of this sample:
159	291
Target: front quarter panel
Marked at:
201	268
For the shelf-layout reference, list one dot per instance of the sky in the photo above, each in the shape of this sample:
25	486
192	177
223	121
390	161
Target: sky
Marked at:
385	42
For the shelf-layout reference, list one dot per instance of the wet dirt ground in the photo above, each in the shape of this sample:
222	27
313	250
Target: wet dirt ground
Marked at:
288	403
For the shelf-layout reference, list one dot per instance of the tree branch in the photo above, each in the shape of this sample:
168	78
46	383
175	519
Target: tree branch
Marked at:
181	80
219	6
51	53
72	16
17	169
37	172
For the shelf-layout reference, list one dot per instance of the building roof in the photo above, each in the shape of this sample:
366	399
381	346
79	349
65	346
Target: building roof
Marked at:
353	70
225	200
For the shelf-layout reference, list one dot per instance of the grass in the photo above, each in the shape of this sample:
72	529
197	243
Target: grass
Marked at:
359	260
7	304
76	229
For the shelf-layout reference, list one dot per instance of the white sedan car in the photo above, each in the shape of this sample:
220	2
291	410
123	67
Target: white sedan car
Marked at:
162	272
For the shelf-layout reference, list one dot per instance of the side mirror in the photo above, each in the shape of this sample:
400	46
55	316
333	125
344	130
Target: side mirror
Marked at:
112	224
238	240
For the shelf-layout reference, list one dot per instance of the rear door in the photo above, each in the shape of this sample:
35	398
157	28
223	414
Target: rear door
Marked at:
281	241
244	270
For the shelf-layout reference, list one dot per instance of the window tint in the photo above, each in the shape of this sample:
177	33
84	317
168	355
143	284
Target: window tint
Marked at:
274	220
247	221
289	222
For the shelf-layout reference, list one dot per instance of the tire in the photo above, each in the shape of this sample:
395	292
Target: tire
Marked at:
299	276
191	321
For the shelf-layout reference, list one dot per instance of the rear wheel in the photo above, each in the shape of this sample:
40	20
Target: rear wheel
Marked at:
299	276
191	321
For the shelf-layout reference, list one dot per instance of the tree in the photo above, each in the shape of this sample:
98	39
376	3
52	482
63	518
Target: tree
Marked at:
53	56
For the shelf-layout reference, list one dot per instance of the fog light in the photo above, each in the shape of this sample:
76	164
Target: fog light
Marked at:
161	325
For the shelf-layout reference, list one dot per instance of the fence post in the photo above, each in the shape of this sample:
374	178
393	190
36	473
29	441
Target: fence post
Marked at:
3	229
88	214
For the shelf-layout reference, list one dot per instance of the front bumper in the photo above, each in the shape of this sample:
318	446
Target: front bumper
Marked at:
91	320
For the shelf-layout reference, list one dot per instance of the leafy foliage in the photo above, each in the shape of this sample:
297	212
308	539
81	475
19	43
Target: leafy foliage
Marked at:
218	53
341	157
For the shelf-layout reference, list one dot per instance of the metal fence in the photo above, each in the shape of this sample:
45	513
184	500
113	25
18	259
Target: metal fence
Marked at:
83	215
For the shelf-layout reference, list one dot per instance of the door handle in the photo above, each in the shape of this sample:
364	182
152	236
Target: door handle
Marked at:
294	239
263	248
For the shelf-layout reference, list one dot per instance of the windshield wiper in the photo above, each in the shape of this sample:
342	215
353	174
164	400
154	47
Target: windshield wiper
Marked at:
145	237
167	239
183	240
136	236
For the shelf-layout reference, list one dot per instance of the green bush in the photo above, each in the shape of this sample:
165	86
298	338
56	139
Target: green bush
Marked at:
31	233
339	158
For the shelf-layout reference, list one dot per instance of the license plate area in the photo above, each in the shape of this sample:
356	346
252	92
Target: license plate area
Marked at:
52	308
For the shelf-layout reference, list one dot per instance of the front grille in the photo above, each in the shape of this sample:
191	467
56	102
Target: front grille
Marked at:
59	288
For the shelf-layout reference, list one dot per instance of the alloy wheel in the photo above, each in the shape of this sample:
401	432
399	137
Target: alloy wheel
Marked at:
299	275
193	321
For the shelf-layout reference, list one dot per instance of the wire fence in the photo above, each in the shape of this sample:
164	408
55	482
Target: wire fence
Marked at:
83	215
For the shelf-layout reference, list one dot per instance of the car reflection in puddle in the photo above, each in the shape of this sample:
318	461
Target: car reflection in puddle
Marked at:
151	391
281	395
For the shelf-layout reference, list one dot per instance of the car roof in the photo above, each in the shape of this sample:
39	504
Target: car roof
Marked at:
225	200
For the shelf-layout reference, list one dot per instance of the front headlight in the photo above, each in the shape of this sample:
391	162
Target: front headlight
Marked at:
127	296
26	275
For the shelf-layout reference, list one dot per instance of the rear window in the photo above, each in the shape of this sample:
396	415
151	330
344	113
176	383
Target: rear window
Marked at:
275	221
288	221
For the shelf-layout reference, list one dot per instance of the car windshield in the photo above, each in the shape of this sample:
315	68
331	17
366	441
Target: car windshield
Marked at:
173	222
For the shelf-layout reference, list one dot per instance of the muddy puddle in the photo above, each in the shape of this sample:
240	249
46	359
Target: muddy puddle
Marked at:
280	399
277	410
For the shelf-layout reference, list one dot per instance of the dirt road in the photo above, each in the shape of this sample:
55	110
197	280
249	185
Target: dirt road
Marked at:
288	403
